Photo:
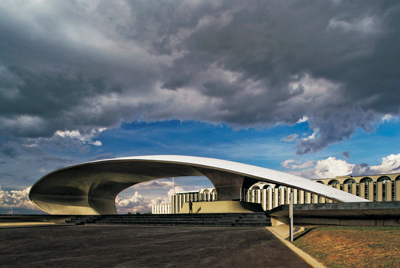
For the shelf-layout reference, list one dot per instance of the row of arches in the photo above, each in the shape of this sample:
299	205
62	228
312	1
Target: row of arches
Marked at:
375	188
360	179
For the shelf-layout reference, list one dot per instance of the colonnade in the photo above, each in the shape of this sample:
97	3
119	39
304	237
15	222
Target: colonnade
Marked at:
161	209
377	188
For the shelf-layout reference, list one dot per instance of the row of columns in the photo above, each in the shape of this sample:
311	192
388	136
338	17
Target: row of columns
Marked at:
383	191
269	198
273	197
161	209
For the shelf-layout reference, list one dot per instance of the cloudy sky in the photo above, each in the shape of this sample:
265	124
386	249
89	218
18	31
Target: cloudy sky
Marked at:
308	87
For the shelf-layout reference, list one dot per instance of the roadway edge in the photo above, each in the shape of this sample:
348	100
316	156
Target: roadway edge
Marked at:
310	260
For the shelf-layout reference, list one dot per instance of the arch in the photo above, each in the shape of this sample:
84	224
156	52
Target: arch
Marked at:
383	179
350	186
385	189
349	181
333	182
91	188
255	186
366	180
205	190
396	191
321	182
260	185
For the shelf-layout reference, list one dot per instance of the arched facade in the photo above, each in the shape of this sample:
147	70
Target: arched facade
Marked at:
376	188
91	188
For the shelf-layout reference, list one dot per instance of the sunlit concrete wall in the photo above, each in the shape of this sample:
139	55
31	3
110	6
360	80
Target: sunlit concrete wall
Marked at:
180	198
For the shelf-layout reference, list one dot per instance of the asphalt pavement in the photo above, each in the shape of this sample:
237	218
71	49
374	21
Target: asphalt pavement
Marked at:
140	246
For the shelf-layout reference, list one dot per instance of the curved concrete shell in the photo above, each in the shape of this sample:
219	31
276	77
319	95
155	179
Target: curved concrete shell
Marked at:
91	188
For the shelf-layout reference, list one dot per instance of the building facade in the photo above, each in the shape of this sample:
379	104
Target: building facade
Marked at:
161	209
376	188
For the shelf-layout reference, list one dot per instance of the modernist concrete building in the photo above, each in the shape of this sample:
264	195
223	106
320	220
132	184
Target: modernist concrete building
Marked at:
376	188
91	188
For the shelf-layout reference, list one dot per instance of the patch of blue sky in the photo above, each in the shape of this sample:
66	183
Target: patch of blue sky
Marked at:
371	147
263	147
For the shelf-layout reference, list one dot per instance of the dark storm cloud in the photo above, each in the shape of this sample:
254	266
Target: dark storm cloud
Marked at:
84	65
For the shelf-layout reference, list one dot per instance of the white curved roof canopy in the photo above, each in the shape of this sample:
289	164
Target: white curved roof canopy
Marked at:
91	188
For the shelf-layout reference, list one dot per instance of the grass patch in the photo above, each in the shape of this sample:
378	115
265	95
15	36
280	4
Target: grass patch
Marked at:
352	246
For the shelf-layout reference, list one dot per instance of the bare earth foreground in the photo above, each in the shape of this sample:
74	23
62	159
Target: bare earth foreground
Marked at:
352	246
138	246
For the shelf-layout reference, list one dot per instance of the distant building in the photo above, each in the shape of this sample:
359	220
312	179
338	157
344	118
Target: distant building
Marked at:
161	209
179	198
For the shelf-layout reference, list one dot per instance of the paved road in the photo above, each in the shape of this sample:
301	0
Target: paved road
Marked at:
137	246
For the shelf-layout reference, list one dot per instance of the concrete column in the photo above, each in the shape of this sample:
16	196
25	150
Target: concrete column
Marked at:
258	196
227	185
308	197
288	190
371	191
180	202
354	189
270	203
301	193
172	204
176	203
282	196
264	199
397	190
294	196
315	199
362	190
346	188
379	191
337	186
388	187
322	200
276	197
184	198
253	198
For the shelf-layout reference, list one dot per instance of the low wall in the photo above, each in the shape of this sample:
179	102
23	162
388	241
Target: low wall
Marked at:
222	207
4	218
351	214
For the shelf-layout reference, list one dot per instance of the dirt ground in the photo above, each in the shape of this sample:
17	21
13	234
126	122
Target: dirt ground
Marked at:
352	246
139	246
